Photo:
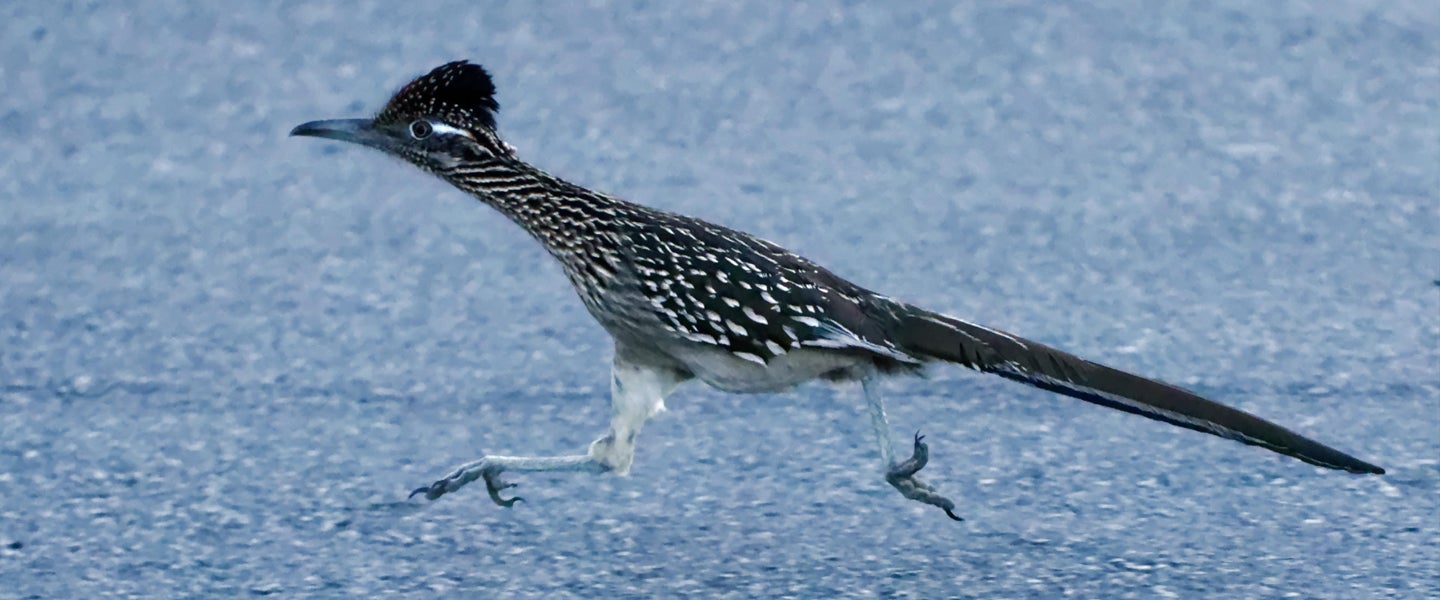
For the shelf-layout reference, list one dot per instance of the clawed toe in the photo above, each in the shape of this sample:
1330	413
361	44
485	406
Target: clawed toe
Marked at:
434	490
493	485
481	469
919	457
902	478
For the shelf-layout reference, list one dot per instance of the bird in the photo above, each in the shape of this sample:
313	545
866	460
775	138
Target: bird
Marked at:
685	299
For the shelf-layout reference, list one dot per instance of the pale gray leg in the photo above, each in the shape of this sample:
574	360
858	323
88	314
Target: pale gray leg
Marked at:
902	475
637	392
490	468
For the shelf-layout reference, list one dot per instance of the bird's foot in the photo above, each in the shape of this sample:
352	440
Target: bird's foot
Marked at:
902	478
480	469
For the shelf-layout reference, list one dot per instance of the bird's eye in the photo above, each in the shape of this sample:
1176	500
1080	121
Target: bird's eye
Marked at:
421	129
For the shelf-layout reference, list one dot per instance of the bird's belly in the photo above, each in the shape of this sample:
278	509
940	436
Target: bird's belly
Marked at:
723	370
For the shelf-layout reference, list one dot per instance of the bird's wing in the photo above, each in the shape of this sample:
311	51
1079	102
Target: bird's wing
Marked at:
737	292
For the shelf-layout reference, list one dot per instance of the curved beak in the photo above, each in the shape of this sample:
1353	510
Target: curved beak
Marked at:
355	131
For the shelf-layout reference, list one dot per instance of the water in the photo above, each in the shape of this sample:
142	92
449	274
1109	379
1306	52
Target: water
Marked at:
226	355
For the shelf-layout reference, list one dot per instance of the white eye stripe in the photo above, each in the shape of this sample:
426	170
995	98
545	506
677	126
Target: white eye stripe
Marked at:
444	129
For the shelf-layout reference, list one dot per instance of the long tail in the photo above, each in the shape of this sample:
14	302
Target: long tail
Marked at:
937	336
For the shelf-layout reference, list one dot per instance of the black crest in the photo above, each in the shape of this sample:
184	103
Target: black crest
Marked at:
459	93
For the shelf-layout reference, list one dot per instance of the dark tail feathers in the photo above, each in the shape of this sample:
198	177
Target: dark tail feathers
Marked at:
937	336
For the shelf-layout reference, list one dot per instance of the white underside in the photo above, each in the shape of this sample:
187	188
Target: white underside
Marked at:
725	371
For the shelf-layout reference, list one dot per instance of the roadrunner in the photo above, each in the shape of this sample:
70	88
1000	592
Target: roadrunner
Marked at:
686	299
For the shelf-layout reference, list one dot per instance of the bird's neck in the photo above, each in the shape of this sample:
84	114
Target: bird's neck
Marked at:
576	225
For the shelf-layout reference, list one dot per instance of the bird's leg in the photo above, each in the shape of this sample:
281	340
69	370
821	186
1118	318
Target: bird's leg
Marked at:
489	468
901	475
636	393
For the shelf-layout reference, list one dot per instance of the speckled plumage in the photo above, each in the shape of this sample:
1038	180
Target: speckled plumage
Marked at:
459	93
645	273
687	299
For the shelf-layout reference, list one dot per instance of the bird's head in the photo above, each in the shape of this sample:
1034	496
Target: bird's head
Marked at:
440	121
